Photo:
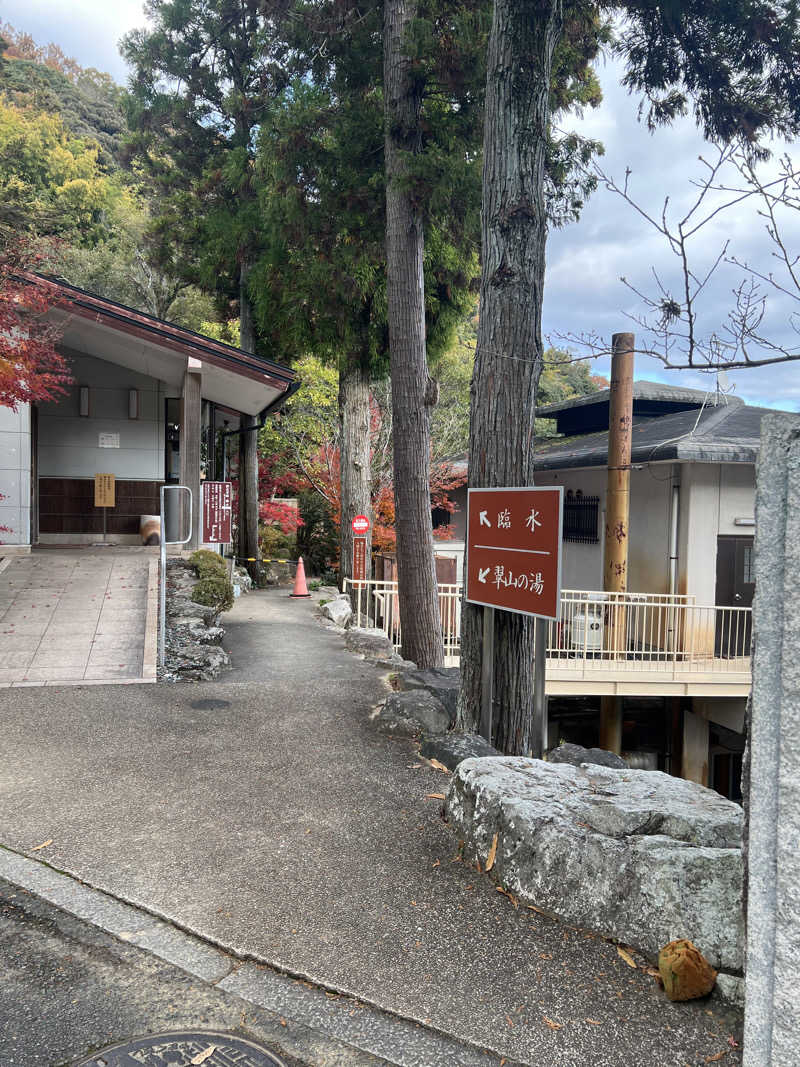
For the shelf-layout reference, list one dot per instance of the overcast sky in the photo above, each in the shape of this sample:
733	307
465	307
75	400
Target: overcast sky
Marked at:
585	261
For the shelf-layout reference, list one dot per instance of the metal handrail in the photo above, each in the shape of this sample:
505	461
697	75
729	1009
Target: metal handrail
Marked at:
619	632
162	600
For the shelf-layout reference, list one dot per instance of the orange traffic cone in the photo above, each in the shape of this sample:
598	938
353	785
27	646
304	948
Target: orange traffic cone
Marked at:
300	588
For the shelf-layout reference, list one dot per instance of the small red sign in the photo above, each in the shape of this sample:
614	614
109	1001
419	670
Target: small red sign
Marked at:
359	559
360	524
217	508
514	549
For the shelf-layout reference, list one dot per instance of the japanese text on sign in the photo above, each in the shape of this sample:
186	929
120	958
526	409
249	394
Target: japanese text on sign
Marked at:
359	559
104	490
217	508
514	549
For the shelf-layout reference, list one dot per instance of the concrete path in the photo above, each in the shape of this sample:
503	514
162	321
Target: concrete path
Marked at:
69	988
272	819
77	615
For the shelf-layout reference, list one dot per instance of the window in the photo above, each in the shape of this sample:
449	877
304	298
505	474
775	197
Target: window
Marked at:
580	518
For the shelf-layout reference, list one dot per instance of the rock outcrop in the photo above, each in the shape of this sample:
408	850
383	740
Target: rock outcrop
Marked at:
577	754
441	682
339	610
413	713
636	855
194	638
370	642
451	749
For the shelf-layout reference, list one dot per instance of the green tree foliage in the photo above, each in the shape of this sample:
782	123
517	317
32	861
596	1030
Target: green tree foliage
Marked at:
204	75
53	183
86	100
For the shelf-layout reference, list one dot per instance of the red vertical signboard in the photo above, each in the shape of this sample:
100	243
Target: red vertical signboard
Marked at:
359	559
217	508
514	549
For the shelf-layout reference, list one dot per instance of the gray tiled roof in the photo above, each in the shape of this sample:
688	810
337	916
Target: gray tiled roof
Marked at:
725	434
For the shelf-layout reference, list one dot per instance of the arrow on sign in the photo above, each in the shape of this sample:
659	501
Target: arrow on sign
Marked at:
482	574
483	520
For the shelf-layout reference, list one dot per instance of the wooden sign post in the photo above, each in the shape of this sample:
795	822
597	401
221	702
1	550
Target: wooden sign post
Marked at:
104	498
514	564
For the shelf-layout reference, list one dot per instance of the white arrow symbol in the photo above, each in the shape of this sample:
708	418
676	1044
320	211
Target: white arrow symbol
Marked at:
483	520
482	574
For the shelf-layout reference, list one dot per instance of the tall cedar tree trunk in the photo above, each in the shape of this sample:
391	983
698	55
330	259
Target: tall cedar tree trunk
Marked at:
356	487
413	392
248	443
508	359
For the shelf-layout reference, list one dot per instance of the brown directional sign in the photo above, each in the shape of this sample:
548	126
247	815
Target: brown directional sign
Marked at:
359	559
104	490
217	507
514	549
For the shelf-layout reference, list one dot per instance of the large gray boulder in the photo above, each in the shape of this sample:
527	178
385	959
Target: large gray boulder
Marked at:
636	855
577	754
410	714
369	642
441	682
451	749
339	610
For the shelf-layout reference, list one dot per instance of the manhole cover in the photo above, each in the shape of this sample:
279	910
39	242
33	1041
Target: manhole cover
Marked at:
209	705
185	1050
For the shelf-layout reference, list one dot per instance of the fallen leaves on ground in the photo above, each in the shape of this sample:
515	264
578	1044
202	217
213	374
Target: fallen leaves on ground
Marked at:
201	1057
510	896
551	1024
44	844
510	1021
434	796
717	1056
439	766
492	854
594	1022
625	955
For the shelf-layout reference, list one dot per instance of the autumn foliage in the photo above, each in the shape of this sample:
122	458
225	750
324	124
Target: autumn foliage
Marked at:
31	369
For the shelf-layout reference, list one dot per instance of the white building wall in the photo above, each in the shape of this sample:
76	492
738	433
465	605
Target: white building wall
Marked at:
15	475
713	495
69	444
737	498
648	550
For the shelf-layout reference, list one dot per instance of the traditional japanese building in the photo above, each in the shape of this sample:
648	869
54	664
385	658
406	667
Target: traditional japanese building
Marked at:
151	403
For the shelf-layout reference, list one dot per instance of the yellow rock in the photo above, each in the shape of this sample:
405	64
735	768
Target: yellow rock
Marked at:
685	971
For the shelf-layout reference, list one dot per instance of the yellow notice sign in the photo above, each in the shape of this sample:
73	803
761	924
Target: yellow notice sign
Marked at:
104	490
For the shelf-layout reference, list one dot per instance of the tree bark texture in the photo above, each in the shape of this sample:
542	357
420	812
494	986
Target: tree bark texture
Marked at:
413	394
248	444
356	488
508	358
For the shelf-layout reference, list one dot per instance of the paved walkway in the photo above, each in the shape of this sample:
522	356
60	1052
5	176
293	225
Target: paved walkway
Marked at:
273	819
77	615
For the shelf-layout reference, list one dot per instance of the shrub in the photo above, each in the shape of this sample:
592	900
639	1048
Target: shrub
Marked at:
214	592
208	564
275	544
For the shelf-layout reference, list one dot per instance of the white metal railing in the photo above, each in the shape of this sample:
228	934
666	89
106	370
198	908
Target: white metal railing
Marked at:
375	603
617	632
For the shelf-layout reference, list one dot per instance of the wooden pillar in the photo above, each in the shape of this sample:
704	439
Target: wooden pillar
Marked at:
191	430
248	495
615	555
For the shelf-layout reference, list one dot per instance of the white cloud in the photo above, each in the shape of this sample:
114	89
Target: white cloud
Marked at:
86	29
585	261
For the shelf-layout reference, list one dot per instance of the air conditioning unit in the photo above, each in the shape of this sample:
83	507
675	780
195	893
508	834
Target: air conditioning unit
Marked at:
587	626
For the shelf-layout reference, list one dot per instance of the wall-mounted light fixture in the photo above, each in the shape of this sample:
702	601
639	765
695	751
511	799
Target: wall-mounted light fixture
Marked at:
133	403
744	522
84	401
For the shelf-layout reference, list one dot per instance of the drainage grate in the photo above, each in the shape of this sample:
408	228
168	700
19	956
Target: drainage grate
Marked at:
189	1049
